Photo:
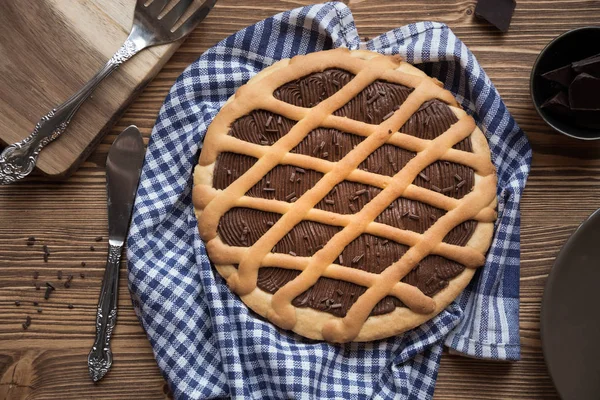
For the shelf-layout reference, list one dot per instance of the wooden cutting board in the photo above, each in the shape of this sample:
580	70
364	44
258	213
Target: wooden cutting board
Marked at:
48	50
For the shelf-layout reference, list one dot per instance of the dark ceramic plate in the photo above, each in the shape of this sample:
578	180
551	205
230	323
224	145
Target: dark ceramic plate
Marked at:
570	325
571	46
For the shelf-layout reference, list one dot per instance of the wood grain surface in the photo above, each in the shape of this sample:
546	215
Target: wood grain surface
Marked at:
49	49
48	360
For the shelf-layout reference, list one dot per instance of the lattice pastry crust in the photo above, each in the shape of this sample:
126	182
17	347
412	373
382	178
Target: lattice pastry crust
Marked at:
358	324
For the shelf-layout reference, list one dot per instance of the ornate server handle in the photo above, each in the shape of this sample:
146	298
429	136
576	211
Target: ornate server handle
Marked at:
17	160
100	357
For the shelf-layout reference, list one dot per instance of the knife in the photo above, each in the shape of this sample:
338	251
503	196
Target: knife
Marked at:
123	168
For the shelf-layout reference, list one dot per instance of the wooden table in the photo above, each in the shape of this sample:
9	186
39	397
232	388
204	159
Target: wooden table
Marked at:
48	360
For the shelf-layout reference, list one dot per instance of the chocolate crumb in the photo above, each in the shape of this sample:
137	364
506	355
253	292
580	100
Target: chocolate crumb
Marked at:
388	115
49	289
46	250
228	172
325	155
82	275
39	310
83	263
17	303
293	199
357	259
45	257
37	286
290	196
352	294
36	274
92	248
390	132
372	99
35	303
30	241
98	238
59	274
70	306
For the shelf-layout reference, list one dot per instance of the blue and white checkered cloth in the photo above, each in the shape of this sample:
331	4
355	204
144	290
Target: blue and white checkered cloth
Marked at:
206	341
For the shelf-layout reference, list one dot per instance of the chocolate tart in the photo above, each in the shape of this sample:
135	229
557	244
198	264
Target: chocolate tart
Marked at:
345	195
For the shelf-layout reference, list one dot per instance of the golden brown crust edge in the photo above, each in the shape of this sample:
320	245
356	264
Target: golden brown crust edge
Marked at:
310	322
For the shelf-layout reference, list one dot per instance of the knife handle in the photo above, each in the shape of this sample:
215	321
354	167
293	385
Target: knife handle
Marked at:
100	357
18	160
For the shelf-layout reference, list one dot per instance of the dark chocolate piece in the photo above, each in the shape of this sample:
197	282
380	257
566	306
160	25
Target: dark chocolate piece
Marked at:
590	65
558	104
563	75
497	12
584	93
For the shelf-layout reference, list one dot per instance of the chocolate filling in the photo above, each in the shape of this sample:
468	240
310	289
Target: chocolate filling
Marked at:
244	226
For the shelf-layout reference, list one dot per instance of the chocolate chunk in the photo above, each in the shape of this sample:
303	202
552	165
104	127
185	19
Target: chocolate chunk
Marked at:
497	12
17	303
98	238
583	93
70	306
558	104
563	75
590	65
31	241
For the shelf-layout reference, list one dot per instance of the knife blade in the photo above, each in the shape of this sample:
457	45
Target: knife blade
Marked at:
123	168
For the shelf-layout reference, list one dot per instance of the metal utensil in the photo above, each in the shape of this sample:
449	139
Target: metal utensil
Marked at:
123	167
149	29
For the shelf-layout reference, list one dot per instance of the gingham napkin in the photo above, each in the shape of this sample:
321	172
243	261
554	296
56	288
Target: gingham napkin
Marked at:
205	340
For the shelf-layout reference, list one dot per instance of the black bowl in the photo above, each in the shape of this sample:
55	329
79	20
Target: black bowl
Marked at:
571	46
